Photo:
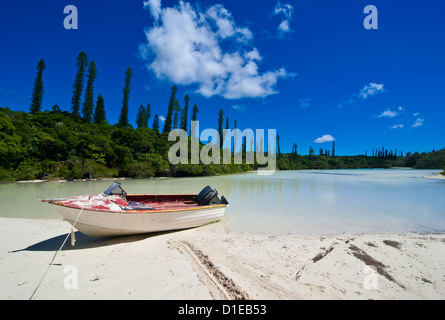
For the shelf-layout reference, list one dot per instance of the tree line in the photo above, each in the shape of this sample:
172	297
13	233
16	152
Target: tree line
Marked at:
326	160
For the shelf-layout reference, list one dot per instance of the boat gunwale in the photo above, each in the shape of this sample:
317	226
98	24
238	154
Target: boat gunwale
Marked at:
59	203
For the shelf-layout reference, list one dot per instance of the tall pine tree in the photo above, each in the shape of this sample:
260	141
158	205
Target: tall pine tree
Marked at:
147	113
99	112
185	113
141	117
194	117
195	113
171	106
123	117
37	92
177	112
88	104
220	124
156	123
81	64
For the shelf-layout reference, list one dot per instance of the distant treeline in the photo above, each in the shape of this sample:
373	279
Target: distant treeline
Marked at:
425	160
380	158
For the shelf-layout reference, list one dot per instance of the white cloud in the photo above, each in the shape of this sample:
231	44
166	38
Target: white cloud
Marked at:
189	46
397	126
155	8
418	123
239	107
388	114
225	24
367	91
162	118
304	102
287	12
324	138
284	27
370	90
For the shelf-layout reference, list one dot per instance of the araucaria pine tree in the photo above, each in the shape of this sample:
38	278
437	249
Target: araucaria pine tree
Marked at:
81	64
37	92
195	113
123	117
184	113
194	117
88	104
220	123
171	107
177	111
141	117
147	114
99	113
156	123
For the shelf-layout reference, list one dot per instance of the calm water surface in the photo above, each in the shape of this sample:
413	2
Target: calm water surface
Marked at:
287	202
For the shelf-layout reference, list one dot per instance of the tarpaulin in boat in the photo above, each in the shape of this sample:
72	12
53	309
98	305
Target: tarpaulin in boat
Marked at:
134	205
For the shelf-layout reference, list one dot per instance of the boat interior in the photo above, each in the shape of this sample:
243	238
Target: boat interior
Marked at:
161	202
153	202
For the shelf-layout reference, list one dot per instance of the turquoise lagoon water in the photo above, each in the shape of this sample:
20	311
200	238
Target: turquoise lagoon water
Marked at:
308	202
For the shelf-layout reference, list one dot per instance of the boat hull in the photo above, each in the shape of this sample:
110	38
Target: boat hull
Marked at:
104	224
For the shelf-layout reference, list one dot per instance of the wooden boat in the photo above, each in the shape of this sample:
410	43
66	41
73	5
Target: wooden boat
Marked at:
115	213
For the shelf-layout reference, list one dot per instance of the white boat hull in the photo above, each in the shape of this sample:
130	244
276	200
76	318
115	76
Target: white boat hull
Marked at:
104	224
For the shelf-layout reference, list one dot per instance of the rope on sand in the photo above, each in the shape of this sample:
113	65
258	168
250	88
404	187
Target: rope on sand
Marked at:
73	242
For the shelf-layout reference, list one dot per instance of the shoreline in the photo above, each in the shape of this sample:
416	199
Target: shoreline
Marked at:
436	176
210	263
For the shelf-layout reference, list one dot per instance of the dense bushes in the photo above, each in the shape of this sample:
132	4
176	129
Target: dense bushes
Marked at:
56	145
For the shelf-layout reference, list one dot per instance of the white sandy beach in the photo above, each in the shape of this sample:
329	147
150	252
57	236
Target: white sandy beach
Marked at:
209	263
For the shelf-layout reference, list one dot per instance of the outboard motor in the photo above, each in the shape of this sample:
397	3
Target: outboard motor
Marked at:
209	196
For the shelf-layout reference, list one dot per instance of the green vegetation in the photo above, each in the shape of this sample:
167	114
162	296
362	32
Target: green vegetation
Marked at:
54	144
294	161
99	112
59	144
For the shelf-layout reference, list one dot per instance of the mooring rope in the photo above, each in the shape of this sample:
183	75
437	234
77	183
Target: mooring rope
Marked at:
73	241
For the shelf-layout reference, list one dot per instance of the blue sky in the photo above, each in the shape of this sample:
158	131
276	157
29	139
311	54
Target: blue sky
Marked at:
307	68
